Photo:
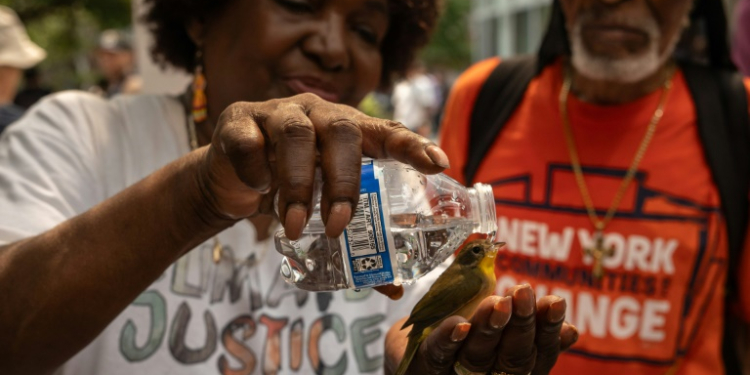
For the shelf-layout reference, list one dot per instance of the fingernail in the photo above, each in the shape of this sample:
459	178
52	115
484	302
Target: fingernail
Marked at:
341	213
501	313
568	337
556	311
393	292
438	156
524	297
460	332
296	219
573	336
399	293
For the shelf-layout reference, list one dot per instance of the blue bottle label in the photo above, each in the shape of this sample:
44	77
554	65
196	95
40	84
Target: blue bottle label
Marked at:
366	238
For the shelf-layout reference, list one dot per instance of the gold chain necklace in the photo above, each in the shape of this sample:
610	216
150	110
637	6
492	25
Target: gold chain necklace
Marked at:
598	251
216	252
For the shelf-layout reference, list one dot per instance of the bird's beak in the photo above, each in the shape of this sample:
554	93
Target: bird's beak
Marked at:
495	247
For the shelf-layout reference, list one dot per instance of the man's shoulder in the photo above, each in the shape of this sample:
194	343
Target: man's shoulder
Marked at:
473	78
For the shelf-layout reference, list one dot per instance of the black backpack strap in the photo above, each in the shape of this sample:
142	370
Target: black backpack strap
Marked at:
721	105
497	101
724	126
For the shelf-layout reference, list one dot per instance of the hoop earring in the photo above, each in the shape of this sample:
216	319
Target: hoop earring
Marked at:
199	90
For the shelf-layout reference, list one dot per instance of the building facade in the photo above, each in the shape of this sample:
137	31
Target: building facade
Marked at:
507	27
511	27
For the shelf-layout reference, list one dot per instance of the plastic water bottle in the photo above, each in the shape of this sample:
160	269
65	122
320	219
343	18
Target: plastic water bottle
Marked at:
405	224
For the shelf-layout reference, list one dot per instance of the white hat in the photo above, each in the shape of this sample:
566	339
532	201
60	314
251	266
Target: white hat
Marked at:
16	49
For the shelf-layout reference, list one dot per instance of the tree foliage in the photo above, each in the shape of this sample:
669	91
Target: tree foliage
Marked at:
451	43
68	31
108	13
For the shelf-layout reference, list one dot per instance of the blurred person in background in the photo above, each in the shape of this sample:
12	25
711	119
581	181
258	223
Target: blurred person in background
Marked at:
415	100
116	63
621	181
443	84
741	38
135	232
17	52
32	90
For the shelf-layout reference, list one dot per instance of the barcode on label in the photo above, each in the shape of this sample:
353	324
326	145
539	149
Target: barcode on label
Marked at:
360	234
365	264
378	222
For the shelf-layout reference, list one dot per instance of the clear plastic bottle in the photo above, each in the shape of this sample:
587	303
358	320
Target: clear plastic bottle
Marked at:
405	225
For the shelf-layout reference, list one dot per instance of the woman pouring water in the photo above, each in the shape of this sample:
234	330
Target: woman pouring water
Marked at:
134	231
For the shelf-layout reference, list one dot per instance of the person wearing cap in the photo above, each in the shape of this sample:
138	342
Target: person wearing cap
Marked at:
115	61
606	187
17	53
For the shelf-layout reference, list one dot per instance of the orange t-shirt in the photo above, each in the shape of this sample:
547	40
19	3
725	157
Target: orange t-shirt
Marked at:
660	303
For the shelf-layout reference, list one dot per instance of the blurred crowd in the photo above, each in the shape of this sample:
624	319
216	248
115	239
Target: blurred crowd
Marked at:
22	81
416	101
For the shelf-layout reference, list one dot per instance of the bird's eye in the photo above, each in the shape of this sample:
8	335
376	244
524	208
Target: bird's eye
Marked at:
476	250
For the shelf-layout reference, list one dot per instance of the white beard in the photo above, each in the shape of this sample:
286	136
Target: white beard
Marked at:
625	70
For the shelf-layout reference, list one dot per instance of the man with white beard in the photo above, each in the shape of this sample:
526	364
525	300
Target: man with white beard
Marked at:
619	161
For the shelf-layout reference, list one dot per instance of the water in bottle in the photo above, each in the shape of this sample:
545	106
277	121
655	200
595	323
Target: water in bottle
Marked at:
405	224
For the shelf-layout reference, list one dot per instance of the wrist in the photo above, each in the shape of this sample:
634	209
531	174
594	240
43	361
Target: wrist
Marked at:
203	202
222	197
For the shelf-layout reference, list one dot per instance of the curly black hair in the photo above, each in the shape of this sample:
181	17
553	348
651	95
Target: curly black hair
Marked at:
411	24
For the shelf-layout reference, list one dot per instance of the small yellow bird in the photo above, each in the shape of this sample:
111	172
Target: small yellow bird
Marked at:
458	291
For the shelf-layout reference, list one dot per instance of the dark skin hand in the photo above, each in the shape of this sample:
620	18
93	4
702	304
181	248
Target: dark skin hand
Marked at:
61	288
512	334
262	135
84	278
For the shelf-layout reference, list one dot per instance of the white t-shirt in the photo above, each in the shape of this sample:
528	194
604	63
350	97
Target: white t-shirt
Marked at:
74	150
414	102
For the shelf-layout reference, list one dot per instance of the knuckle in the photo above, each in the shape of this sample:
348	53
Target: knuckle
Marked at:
344	127
235	113
297	128
236	142
346	185
478	359
439	355
308	97
244	148
401	137
551	330
297	181
549	346
289	106
439	358
396	126
517	362
343	132
487	333
523	323
401	130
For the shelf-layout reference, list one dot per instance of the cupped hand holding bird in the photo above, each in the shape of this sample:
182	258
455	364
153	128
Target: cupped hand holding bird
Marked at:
459	326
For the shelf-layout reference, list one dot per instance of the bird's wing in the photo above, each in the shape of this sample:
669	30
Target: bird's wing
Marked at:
457	289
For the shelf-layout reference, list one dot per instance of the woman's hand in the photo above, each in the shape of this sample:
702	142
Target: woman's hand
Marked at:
260	148
513	335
